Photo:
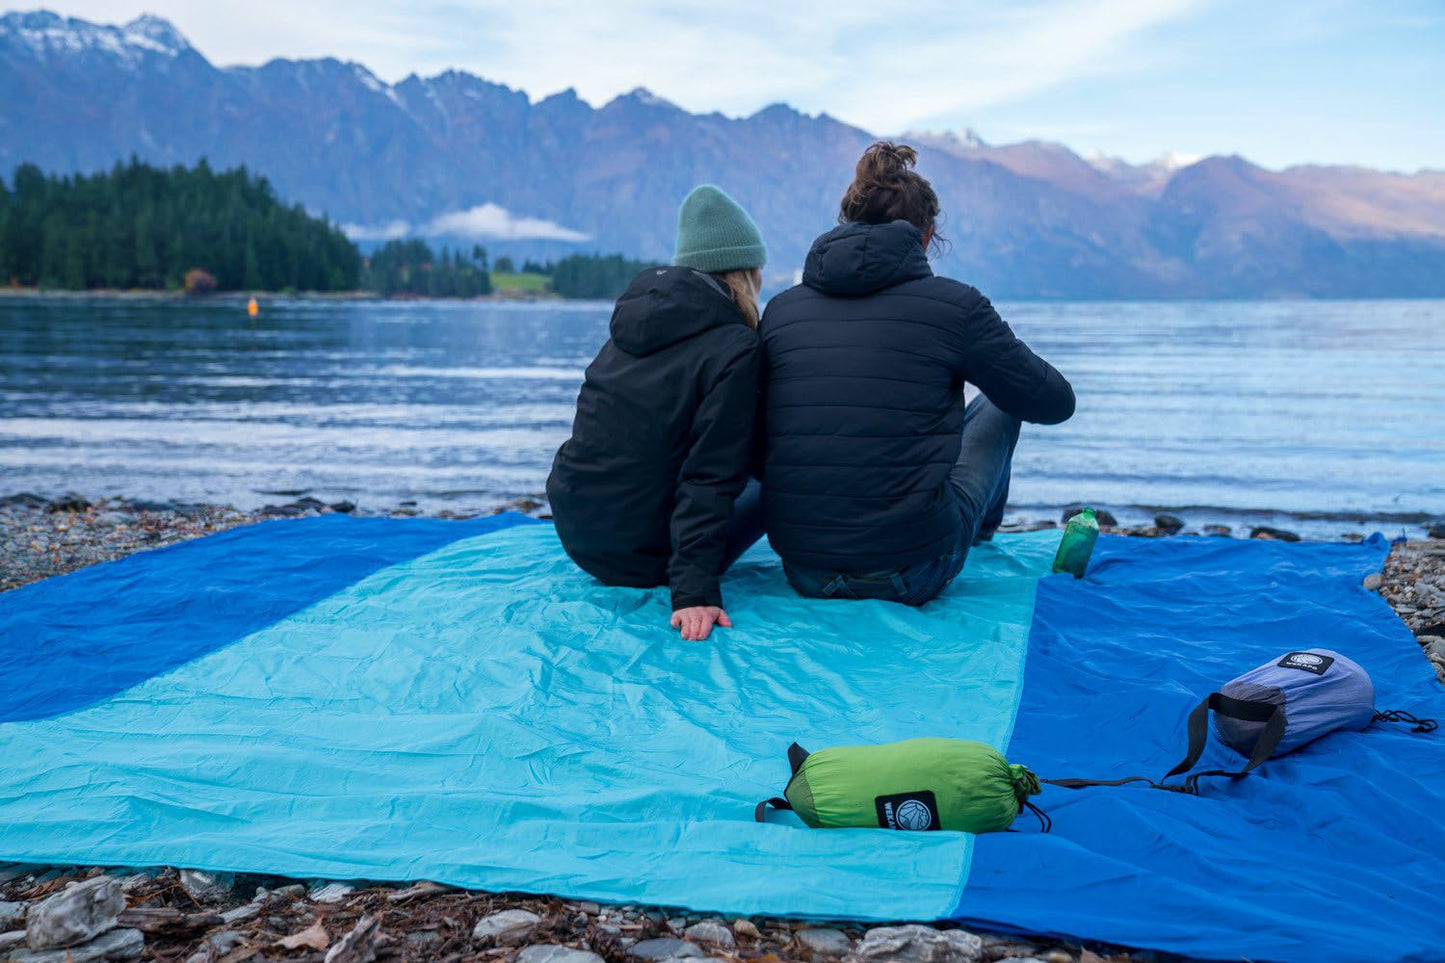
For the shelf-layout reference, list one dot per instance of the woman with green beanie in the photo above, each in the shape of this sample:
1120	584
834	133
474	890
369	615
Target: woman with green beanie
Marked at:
646	491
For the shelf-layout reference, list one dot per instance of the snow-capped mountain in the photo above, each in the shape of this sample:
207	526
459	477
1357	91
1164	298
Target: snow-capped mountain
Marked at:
458	153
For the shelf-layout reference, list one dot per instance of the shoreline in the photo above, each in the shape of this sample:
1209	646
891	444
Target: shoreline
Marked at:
240	297
179	914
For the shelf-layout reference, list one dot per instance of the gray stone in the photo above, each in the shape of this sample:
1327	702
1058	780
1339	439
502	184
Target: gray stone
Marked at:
425	888
331	892
711	932
112	945
69	502
824	943
1270	533
919	944
1434	646
291	891
11	940
80	912
507	928
664	948
746	928
137	879
358	946
206	887
1021	959
1168	524
591	909
112	518
1007	948
225	941
12	914
1220	530
1373	581
677	924
1103	516
1436	528
551	953
242	913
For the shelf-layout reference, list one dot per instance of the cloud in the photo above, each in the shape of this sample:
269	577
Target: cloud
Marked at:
484	222
495	222
376	232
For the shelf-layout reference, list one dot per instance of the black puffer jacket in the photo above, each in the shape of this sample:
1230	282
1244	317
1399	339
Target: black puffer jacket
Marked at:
643	491
865	366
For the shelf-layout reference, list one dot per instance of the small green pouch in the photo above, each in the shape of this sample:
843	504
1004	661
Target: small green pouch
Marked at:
917	784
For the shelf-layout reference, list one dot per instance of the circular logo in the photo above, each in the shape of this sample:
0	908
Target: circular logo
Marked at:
914	815
1304	658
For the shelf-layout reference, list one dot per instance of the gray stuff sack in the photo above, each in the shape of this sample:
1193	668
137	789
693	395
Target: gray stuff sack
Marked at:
1282	705
1276	708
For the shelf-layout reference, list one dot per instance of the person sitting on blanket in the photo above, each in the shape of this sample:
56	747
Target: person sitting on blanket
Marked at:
646	491
877	477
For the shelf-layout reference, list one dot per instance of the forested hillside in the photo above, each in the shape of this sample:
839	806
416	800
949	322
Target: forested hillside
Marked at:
137	226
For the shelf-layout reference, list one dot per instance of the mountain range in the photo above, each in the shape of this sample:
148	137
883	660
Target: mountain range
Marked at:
457	156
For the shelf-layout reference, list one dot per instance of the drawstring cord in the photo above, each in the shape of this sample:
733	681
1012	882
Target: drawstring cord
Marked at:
1045	822
1400	715
1027	784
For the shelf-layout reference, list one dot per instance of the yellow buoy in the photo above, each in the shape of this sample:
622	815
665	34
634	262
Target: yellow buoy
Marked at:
252	308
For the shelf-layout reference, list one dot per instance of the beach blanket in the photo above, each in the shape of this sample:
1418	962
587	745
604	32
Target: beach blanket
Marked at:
398	699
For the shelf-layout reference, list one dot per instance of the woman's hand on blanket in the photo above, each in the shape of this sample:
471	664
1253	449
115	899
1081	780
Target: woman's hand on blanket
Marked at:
695	623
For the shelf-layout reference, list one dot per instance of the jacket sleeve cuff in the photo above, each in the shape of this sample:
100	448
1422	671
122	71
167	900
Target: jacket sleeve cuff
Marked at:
686	597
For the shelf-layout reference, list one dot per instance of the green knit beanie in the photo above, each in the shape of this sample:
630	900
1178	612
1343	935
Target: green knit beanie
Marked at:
715	234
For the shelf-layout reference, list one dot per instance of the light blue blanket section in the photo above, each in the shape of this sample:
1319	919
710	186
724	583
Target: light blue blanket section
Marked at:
486	715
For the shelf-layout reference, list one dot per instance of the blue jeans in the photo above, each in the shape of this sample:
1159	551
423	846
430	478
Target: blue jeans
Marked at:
978	483
746	526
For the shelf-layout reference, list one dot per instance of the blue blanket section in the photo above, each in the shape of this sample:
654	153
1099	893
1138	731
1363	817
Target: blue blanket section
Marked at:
403	699
74	640
489	716
1333	852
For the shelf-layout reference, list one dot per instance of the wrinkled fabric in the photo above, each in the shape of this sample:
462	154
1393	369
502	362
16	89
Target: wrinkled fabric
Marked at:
70	641
1330	853
485	715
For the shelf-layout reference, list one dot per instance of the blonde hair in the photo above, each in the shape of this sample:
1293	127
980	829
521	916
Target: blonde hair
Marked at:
743	284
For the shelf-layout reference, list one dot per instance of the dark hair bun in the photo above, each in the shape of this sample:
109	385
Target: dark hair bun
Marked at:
886	188
884	161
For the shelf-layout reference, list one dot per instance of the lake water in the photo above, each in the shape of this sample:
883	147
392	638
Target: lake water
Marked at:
1329	415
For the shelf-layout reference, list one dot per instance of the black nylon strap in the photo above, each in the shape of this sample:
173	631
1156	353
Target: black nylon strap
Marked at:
796	756
1244	710
760	813
1086	783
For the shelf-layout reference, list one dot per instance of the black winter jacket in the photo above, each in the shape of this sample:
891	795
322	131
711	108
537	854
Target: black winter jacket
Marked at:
643	491
865	363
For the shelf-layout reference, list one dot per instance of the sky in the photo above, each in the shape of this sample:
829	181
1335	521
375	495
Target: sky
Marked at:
1278	81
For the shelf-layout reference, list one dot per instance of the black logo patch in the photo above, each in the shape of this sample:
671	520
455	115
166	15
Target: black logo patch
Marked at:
1306	662
908	810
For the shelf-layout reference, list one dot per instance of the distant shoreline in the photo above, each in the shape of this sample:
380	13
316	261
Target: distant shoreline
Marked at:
515	295
147	294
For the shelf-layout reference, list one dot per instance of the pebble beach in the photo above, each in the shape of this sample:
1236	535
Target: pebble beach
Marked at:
77	913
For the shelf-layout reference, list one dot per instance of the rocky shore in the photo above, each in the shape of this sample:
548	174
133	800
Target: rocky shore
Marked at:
55	914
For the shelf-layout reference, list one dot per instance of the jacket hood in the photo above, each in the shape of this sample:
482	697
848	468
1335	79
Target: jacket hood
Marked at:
665	305
855	259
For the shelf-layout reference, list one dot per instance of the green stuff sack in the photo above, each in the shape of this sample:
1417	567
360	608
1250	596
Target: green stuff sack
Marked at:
917	784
